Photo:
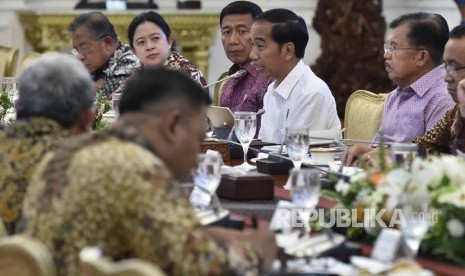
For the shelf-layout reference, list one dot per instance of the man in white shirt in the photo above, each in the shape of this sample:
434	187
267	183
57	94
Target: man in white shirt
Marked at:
297	97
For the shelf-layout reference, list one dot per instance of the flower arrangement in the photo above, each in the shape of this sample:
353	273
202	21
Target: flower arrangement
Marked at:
102	106
439	178
7	111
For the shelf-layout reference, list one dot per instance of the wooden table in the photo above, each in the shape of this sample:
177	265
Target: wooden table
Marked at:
439	268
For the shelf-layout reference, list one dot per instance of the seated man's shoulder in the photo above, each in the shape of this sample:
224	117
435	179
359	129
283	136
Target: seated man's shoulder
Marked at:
125	59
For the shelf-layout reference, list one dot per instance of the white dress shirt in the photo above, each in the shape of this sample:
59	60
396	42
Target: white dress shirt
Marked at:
301	100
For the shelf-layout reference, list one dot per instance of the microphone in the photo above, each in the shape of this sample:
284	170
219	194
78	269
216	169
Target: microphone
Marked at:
238	74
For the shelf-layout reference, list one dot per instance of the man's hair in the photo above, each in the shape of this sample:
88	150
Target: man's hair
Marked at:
457	32
150	16
57	87
427	30
240	7
97	24
288	27
155	89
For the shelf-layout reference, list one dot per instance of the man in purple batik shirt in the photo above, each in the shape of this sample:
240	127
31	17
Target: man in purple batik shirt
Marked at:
413	54
244	93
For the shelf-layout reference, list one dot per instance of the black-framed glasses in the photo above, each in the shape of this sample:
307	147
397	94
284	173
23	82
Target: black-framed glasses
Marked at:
451	70
390	49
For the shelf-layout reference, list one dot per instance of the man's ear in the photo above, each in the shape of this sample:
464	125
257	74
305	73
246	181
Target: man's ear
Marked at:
289	50
422	57
108	43
170	125
84	122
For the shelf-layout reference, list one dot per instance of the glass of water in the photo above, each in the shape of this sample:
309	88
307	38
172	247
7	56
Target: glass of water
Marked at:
115	99
245	127
414	220
207	178
10	86
403	154
297	142
305	192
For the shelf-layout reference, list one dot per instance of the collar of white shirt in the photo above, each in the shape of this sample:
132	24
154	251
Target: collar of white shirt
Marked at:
284	89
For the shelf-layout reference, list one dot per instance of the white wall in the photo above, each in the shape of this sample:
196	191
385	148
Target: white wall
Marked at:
11	31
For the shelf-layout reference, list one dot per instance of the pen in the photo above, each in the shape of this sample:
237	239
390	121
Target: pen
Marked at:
287	114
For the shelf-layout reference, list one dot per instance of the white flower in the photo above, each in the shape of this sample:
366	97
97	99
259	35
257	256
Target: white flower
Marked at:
398	179
455	228
342	187
426	173
362	195
358	177
456	198
453	168
10	116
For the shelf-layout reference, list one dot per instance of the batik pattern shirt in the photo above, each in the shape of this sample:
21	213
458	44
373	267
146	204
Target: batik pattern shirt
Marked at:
244	93
116	70
177	62
22	146
111	190
446	136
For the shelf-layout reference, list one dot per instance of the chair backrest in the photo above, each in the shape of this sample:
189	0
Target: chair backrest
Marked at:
24	256
364	111
27	59
217	89
8	60
92	263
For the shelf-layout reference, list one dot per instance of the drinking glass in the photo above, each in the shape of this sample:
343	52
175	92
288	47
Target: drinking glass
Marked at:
207	178
115	98
403	154
245	126
10	85
415	219
305	192
297	142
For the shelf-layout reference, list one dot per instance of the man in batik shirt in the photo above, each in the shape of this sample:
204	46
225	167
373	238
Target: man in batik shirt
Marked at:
243	93
448	135
118	188
41	124
96	45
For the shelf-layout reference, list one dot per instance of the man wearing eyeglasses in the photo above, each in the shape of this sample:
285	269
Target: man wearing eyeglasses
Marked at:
448	135
96	45
413	54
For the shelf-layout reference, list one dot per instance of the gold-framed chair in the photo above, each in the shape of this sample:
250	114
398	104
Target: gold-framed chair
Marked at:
23	256
364	111
92	263
26	60
8	61
218	88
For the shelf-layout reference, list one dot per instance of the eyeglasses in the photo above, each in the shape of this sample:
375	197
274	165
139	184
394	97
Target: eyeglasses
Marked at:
451	70
83	49
389	48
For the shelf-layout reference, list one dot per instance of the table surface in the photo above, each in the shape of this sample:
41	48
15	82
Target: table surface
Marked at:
439	268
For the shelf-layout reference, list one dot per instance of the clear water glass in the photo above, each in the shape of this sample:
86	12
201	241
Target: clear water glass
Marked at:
305	192
297	142
403	154
415	220
10	86
245	127
207	178
115	99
